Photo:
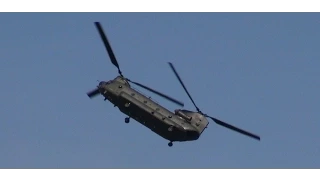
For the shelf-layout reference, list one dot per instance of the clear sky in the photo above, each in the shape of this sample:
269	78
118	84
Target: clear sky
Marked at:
257	71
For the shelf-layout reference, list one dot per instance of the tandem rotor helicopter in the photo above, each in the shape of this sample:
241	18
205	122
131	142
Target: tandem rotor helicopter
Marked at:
178	126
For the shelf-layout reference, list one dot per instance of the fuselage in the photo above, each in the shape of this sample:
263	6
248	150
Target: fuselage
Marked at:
183	125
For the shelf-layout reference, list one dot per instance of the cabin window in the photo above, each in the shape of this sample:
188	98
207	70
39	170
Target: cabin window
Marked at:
127	104
170	116
132	94
120	86
145	101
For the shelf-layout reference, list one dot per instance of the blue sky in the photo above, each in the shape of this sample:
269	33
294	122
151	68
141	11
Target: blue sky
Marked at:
257	71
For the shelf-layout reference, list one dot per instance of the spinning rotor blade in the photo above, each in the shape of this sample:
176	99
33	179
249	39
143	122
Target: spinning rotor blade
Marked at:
221	123
234	128
108	46
177	75
115	63
158	93
93	93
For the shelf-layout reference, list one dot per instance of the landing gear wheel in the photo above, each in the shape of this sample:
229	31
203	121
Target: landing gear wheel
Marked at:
127	120
170	144
170	128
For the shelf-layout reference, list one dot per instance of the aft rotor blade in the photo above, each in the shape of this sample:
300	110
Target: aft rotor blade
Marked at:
108	46
235	128
158	93
93	93
177	75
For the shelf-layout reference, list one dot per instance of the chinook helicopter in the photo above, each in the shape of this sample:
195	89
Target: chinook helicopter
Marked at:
178	126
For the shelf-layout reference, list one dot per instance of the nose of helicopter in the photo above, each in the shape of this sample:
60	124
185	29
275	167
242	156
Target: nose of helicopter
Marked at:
102	83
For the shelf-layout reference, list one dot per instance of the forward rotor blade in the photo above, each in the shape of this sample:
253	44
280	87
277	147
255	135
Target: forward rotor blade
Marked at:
234	128
108	46
93	93
177	75
158	93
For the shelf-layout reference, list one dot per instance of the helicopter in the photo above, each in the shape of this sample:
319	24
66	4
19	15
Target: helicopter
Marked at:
179	126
